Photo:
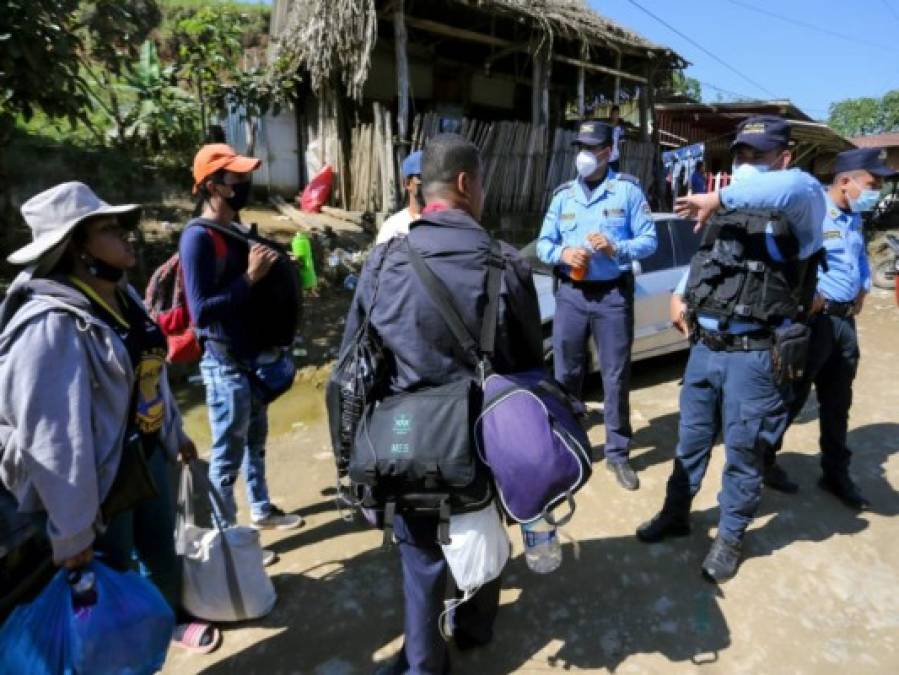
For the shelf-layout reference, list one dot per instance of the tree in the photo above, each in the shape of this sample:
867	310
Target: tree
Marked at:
208	48
40	59
686	86
856	116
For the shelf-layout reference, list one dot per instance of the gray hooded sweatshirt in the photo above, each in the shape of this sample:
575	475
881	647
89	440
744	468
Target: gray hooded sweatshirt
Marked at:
65	389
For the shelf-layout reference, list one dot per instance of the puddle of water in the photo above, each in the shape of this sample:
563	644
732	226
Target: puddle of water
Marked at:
303	404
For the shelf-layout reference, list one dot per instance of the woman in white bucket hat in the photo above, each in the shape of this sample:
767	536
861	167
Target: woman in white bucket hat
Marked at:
83	383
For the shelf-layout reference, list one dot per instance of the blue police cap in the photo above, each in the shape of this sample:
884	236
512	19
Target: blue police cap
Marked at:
863	159
763	132
412	165
593	132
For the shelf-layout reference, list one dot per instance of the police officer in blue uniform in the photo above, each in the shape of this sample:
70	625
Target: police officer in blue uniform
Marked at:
752	278
833	351
597	225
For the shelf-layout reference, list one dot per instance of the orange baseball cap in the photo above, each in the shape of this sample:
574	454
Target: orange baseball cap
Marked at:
217	156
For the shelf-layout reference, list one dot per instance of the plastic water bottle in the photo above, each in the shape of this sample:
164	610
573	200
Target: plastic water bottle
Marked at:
302	249
541	546
84	591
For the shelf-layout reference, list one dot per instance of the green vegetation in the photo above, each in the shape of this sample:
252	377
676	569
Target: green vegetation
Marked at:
864	116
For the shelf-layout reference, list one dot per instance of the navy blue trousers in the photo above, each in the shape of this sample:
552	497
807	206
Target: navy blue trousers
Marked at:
731	393
832	365
605	310
424	590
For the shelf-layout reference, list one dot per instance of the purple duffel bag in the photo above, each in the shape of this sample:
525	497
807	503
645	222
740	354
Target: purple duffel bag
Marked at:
528	435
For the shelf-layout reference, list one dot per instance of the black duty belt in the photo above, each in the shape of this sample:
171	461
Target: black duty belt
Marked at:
839	309
606	284
730	342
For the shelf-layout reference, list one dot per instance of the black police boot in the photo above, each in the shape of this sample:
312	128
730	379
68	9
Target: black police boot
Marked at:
776	478
842	487
722	561
624	474
669	522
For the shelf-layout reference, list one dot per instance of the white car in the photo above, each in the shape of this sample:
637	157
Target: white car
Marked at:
655	279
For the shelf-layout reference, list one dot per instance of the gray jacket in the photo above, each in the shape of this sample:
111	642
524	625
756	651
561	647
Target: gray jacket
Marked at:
65	389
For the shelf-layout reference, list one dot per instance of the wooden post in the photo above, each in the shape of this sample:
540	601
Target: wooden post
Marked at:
644	112
402	81
540	83
581	78
658	171
618	79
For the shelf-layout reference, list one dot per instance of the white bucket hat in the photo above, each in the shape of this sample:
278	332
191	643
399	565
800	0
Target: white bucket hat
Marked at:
53	214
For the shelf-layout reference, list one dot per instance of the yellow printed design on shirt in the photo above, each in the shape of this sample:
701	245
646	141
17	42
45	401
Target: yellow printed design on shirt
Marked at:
150	408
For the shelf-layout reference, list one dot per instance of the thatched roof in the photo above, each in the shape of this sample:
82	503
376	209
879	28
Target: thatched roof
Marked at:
324	37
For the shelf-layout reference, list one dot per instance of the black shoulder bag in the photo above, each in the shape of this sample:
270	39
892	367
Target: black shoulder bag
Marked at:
415	452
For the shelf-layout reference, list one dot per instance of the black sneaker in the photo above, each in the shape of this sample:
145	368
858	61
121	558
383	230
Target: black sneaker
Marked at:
776	478
722	561
624	474
664	525
845	490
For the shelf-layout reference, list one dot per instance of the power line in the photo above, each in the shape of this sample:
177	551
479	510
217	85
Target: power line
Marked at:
892	10
703	49
809	26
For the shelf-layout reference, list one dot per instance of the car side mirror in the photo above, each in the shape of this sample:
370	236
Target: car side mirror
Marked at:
636	268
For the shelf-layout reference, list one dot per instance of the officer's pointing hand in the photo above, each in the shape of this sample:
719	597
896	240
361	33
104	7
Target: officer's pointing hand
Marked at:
701	207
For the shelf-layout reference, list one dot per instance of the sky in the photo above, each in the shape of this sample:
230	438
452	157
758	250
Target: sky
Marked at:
820	52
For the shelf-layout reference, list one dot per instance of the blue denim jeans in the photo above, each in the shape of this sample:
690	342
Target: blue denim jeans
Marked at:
733	394
239	424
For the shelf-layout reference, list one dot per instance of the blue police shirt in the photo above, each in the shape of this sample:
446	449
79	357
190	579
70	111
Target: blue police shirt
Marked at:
847	272
796	194
616	208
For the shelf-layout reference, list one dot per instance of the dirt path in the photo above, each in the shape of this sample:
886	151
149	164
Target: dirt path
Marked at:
817	593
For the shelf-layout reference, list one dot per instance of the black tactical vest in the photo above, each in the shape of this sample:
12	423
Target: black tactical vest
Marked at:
733	276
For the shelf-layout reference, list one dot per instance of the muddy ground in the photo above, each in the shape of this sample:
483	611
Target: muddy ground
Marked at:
818	591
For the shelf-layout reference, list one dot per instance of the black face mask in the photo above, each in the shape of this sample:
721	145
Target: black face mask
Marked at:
240	197
101	270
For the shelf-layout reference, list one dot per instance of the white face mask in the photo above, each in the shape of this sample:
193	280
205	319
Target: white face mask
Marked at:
586	163
745	172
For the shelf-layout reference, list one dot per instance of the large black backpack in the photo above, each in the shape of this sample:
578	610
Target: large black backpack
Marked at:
275	300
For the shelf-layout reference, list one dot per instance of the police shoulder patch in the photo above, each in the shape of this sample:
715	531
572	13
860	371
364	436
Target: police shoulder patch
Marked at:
563	186
629	178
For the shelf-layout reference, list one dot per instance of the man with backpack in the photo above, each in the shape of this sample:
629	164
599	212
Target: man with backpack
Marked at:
220	272
422	352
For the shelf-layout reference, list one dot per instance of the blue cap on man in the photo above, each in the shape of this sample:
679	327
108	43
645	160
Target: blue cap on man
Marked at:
593	133
411	165
864	159
763	133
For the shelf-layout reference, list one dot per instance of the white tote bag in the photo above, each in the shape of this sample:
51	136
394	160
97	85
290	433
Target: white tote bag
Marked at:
224	579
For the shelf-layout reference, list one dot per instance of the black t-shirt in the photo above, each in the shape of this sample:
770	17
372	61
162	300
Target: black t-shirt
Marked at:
146	347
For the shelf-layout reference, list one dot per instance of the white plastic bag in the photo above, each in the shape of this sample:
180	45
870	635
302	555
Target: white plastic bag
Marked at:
224	579
478	549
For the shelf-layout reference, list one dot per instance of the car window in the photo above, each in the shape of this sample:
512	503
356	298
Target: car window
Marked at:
663	258
686	241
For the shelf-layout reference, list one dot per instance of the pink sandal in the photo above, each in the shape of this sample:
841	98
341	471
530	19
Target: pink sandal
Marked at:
190	636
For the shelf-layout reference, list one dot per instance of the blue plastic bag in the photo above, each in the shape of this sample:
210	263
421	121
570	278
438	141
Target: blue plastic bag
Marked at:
126	632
